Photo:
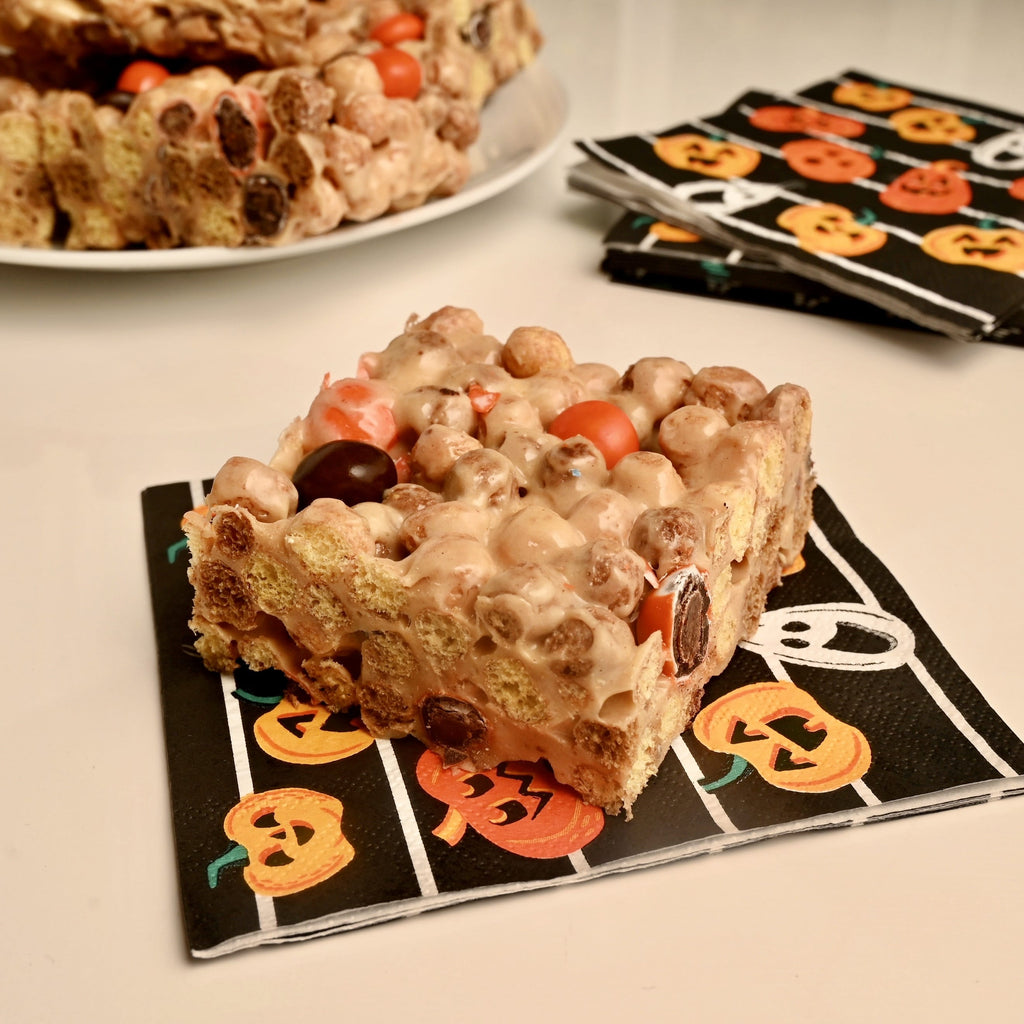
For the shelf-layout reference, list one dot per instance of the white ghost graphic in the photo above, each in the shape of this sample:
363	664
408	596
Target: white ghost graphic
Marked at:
725	198
1002	152
841	636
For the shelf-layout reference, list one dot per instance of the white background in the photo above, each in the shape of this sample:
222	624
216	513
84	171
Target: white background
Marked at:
113	382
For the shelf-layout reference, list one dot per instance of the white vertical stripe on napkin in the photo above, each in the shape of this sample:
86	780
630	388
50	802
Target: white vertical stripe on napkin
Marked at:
711	802
413	839
579	862
240	756
236	732
196	493
924	677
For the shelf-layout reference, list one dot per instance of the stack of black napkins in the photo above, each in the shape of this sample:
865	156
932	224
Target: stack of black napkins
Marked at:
855	197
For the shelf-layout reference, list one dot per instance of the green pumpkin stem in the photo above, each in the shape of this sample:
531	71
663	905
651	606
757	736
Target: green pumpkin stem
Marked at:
269	699
739	767
175	549
233	855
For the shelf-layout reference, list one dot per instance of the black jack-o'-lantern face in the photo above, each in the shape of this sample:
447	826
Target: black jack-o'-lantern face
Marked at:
992	248
821	160
293	838
518	806
924	124
871	96
805	120
716	158
785	734
937	188
303	733
830	228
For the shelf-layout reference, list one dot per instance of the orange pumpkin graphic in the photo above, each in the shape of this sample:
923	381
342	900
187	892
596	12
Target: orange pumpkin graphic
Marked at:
871	96
831	228
992	248
672	233
820	160
717	158
293	838
1017	188
786	736
302	733
937	188
925	124
797	565
518	806
805	120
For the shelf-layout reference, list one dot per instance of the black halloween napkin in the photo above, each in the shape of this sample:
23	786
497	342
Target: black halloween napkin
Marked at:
641	250
291	822
900	197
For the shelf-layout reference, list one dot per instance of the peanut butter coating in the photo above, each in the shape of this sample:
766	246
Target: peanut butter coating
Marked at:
275	126
489	604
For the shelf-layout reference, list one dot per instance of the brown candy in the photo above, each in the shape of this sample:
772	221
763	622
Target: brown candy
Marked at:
352	471
690	628
453	724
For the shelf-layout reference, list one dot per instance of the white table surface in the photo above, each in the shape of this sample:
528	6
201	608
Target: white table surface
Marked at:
113	382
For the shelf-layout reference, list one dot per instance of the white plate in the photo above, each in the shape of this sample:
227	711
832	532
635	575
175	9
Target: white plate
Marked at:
520	127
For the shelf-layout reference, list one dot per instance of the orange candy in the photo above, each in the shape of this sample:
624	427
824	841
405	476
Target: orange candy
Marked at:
141	76
603	423
398	28
399	71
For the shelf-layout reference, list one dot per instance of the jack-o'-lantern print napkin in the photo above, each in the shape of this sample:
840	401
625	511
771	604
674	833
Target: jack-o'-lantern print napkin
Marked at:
291	822
894	195
640	249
